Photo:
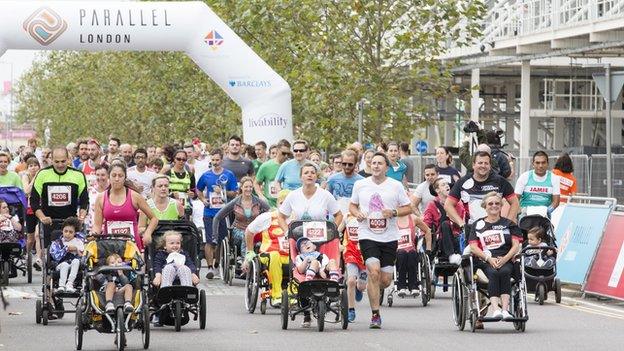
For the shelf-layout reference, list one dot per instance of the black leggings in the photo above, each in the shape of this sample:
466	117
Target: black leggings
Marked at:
500	279
407	268
448	242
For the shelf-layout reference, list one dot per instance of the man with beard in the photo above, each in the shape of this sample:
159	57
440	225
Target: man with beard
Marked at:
234	162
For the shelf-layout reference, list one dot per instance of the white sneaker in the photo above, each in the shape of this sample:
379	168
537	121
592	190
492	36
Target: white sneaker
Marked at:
415	292
69	288
402	293
498	314
455	259
507	316
110	307
60	289
217	273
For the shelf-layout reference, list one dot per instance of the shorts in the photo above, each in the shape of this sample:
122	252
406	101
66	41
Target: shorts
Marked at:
354	270
353	255
385	253
209	237
31	223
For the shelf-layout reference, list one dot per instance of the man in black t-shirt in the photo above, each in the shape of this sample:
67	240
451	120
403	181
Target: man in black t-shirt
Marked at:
472	188
234	162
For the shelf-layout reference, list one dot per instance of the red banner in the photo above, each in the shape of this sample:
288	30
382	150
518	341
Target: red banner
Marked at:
606	276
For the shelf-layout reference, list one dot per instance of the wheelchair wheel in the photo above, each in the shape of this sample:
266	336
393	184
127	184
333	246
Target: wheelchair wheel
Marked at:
540	293
263	306
432	287
557	284
145	328
252	285
38	312
284	309
202	309
44	315
177	310
426	279
224	259
320	317
344	308
59	307
473	320
459	302
79	328
121	335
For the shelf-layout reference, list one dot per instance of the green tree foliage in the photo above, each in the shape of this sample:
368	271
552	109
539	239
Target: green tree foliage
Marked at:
331	52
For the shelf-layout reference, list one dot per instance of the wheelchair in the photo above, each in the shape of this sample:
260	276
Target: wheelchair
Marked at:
441	268
52	302
317	296
424	277
470	298
176	304
257	283
13	255
90	309
230	261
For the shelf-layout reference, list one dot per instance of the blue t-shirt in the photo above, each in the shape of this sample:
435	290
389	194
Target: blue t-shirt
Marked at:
77	162
341	186
288	175
397	172
210	179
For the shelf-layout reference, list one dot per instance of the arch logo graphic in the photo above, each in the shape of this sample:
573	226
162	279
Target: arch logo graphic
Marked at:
45	25
213	39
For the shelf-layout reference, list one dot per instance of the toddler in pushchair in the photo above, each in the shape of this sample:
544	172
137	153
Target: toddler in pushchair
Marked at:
540	260
171	262
313	263
114	282
66	252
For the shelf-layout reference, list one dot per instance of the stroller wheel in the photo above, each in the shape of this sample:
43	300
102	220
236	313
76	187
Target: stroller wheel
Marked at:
38	312
557	290
540	293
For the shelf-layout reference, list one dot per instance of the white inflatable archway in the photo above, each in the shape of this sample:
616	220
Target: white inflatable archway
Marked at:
192	27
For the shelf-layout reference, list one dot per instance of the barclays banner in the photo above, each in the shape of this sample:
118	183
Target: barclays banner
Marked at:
578	234
191	27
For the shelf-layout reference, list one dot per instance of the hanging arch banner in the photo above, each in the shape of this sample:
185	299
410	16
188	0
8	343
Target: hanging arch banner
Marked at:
191	27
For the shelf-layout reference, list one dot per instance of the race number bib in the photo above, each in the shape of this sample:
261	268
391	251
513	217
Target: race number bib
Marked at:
492	239
315	231
216	200
405	241
352	232
59	195
120	228
273	189
283	243
377	224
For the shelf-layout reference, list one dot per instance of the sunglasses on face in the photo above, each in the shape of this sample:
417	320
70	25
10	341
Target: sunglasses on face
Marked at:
180	159
348	164
299	150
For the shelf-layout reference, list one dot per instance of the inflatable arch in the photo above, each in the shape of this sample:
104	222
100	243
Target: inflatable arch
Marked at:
192	27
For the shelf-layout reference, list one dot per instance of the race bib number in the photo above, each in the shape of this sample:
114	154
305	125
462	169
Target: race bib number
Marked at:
216	200
315	231
273	189
378	224
352	232
59	195
120	228
492	239
566	182
405	241
283	243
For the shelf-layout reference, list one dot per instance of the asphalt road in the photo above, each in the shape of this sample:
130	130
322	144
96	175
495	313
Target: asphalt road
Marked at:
576	324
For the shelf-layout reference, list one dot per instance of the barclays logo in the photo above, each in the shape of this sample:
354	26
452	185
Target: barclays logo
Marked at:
267	120
249	83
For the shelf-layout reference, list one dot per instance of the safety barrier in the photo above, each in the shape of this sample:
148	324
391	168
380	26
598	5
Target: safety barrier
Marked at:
578	234
605	277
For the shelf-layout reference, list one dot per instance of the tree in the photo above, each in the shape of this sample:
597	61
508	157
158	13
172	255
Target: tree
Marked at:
332	53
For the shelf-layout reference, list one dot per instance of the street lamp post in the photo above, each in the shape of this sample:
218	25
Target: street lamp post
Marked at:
360	108
8	119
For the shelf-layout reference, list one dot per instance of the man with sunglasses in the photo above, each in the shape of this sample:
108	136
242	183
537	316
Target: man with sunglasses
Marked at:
472	188
288	175
264	184
341	184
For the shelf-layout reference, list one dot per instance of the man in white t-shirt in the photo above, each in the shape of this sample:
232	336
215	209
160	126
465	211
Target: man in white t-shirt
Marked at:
422	196
376	202
140	175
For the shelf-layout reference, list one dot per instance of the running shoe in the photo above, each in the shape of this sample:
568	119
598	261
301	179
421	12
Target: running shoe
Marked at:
507	316
110	308
69	288
375	322
60	289
211	273
37	264
415	292
358	295
498	314
402	293
351	316
128	308
307	321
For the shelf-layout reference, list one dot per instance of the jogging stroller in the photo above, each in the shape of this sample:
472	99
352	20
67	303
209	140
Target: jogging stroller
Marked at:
13	255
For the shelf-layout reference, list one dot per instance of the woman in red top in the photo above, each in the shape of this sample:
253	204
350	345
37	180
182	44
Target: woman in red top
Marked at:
407	258
116	209
567	181
435	217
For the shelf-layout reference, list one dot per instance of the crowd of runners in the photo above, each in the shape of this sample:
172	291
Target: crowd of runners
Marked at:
257	189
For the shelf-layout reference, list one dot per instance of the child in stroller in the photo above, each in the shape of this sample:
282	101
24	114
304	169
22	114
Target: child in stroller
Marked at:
115	282
538	259
10	226
313	263
66	252
171	262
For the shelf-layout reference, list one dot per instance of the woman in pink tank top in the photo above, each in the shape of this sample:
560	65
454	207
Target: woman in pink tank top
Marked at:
116	210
